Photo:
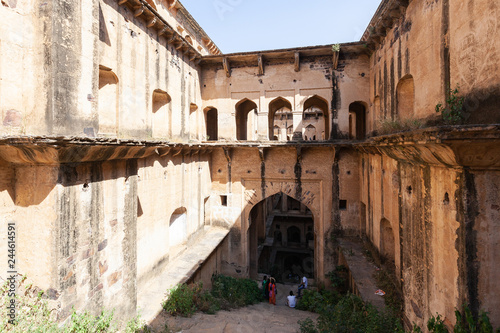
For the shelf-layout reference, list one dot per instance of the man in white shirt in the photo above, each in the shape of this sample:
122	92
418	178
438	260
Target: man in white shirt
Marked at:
303	285
290	300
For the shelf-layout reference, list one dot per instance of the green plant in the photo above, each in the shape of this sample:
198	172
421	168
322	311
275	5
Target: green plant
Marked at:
338	278
465	323
436	324
86	323
307	326
452	112
136	325
336	47
351	314
180	300
317	301
207	303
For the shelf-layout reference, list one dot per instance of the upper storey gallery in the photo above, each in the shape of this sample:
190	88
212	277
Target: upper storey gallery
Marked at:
144	69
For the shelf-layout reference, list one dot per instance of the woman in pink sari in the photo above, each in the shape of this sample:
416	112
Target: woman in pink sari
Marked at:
272	291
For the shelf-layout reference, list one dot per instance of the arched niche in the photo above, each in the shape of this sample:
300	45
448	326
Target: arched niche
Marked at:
178	227
357	120
405	97
316	114
161	118
387	246
160	99
244	127
280	115
211	122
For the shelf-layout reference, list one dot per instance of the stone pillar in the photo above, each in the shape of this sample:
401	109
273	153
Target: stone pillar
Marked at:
297	126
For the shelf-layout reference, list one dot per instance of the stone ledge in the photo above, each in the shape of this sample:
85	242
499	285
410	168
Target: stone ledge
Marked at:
179	270
361	280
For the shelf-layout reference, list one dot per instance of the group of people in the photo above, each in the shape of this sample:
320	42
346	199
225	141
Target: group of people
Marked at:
270	291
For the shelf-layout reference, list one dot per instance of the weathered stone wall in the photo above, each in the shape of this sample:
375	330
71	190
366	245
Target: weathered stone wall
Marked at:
438	224
144	62
432	47
21	69
95	234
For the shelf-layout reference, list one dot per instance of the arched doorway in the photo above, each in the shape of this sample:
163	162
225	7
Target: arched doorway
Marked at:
316	115
280	238
211	120
280	115
244	127
357	121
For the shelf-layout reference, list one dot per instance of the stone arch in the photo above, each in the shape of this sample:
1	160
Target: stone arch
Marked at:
310	133
316	113
285	232
178	227
211	123
405	97
243	108
357	121
387	246
280	114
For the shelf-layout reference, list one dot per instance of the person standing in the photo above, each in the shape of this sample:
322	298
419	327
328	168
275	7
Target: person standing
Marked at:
265	283
303	285
272	291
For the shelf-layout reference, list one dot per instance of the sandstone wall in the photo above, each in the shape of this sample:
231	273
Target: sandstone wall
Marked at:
432	47
437	223
309	179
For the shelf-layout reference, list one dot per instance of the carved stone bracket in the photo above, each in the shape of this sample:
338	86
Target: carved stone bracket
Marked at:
297	61
262	154
260	63
227	66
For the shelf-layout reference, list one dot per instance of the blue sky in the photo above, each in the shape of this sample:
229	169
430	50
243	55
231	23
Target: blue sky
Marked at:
252	25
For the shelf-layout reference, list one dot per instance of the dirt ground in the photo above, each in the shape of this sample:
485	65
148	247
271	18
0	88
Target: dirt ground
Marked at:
257	318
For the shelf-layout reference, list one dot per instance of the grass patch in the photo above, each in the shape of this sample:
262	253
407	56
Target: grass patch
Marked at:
390	126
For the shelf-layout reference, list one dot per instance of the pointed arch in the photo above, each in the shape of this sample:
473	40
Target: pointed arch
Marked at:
276	232
316	113
280	114
243	108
